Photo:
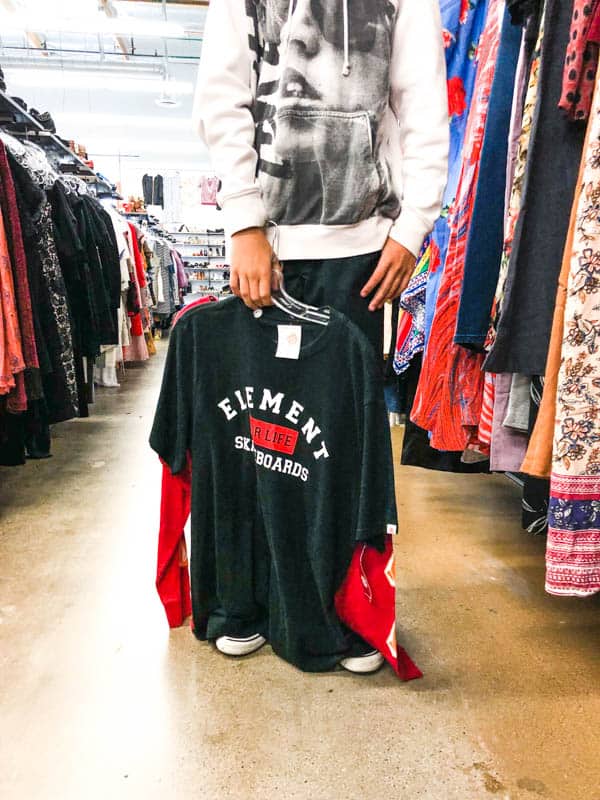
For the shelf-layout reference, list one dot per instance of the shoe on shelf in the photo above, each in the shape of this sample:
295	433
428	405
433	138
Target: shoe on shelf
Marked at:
232	646
363	665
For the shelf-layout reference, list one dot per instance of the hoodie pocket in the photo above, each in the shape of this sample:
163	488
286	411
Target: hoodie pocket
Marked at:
321	168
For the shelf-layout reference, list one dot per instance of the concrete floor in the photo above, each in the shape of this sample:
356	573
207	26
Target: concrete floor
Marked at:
100	701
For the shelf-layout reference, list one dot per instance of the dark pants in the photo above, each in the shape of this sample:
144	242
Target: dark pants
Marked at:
337	282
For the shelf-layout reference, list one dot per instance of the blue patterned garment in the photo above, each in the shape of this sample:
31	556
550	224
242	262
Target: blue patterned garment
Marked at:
463	23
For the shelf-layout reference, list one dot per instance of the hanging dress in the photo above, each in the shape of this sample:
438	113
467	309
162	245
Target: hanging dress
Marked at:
448	401
573	550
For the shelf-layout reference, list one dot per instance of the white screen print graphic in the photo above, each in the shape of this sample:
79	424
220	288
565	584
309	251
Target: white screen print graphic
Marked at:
272	444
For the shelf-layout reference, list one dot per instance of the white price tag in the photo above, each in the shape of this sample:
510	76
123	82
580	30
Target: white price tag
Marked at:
290	341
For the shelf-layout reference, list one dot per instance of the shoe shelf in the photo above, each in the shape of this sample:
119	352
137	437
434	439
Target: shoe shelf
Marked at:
19	122
199	268
200	233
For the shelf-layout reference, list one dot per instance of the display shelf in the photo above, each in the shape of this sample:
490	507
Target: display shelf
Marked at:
207	269
201	258
203	244
200	233
21	123
217	283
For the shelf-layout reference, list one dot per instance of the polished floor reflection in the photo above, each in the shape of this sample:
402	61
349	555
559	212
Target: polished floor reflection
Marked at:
100	700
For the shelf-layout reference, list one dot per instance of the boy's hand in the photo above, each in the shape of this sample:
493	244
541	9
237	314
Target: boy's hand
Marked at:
252	267
391	275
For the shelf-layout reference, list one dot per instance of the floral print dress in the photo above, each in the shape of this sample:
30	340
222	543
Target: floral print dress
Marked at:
573	552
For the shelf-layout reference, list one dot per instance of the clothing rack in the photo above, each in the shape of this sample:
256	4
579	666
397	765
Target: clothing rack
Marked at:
152	225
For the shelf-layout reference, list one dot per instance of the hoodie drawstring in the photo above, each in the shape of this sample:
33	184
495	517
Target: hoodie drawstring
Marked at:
347	68
289	25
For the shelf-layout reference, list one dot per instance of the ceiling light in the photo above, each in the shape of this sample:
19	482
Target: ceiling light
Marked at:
113	81
167	100
91	24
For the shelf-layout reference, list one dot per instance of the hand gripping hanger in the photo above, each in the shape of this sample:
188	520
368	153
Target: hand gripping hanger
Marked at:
287	303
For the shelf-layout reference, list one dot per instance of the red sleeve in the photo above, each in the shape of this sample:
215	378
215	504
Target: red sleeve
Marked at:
172	576
137	257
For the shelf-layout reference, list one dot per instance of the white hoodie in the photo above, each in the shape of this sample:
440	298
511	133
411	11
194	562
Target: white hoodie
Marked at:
327	117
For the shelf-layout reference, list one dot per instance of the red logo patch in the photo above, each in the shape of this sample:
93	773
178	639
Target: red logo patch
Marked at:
273	437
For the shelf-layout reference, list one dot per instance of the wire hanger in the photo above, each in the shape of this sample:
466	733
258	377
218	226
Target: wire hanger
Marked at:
285	302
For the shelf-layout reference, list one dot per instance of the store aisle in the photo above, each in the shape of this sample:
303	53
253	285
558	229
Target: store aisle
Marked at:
99	700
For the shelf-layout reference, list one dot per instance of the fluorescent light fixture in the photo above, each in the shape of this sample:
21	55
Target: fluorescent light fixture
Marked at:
48	78
91	24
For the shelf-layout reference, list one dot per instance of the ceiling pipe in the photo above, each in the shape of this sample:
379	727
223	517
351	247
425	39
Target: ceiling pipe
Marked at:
101	53
73	65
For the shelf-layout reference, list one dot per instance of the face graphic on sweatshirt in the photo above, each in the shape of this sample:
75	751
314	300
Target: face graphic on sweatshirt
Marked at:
312	45
324	86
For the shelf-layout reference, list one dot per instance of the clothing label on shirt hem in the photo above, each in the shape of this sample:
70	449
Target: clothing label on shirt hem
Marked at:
290	342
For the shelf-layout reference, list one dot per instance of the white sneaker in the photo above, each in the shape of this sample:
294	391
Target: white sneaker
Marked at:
362	665
231	646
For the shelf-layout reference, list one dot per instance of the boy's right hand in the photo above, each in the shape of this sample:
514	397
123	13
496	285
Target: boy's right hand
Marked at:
252	267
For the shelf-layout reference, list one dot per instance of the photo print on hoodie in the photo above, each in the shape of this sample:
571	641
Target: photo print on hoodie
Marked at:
323	86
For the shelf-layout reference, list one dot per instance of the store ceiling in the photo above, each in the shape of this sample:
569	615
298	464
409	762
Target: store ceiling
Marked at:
99	66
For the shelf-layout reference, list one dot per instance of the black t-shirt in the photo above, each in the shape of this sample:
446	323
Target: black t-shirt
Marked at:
291	467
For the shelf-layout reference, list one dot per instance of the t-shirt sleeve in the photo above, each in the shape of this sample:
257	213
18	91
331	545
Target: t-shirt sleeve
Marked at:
377	501
172	428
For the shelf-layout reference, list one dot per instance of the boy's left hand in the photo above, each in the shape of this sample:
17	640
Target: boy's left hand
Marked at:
392	274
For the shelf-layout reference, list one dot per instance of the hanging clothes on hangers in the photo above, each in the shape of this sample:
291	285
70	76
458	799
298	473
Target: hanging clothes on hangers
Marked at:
12	362
449	371
525	314
573	553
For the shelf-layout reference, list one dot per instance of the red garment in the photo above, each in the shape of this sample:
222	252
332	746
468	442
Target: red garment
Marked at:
366	602
137	328
172	575
450	392
195	304
11	353
137	256
8	202
581	65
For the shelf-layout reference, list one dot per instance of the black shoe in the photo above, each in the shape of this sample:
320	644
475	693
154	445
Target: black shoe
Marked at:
47	122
